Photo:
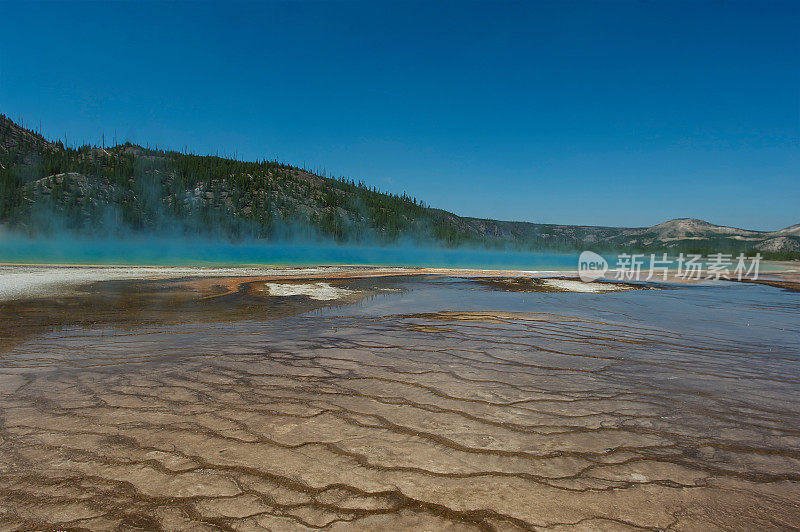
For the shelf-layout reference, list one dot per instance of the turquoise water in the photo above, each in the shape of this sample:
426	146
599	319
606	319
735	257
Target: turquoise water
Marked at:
205	252
194	252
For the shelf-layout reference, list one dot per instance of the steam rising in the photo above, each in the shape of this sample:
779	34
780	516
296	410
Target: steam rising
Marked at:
197	251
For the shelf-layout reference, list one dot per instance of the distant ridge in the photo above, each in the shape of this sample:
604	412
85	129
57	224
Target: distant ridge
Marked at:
791	230
46	186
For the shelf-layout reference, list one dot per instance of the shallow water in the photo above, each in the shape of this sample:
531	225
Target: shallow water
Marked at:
413	402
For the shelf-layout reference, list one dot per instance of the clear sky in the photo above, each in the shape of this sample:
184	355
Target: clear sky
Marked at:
602	113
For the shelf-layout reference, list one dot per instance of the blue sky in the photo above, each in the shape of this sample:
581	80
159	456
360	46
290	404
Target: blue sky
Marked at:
602	113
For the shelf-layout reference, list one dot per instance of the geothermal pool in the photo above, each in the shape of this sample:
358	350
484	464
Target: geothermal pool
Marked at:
351	399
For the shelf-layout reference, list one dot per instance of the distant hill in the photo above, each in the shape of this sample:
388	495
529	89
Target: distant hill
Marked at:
689	233
46	186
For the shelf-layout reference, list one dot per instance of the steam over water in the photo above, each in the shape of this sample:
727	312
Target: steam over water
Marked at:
407	402
190	251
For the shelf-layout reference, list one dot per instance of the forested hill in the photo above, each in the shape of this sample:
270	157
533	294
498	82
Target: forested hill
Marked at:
127	187
105	190
46	186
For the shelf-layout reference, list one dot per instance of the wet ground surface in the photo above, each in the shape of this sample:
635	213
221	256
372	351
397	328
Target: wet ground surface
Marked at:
431	403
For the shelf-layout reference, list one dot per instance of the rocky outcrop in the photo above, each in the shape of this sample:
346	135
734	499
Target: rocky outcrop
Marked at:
780	244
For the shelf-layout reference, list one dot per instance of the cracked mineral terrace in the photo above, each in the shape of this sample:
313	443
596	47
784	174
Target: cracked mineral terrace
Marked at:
393	399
